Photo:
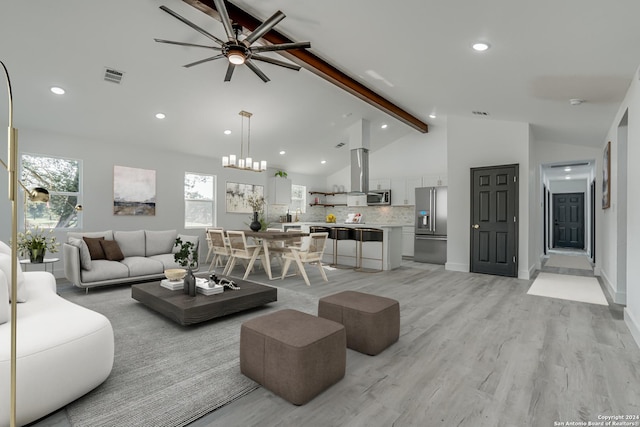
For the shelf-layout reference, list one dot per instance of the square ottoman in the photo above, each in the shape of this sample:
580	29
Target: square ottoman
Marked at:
293	354
372	322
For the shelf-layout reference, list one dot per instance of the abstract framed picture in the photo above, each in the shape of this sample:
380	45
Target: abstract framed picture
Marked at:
606	177
237	195
134	191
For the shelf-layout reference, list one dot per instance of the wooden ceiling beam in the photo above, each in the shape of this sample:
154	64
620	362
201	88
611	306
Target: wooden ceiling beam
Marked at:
315	64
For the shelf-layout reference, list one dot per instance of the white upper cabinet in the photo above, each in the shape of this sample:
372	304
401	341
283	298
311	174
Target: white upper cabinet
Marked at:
403	190
434	180
279	191
380	184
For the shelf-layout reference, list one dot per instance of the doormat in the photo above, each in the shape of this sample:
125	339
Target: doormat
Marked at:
572	288
579	262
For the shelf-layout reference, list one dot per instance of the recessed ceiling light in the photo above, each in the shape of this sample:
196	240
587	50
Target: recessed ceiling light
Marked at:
57	90
567	177
282	152
567	169
160	116
227	132
432	116
480	47
384	126
323	161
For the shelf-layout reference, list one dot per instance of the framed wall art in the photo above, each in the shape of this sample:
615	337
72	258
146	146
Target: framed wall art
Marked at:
606	177
134	191
236	196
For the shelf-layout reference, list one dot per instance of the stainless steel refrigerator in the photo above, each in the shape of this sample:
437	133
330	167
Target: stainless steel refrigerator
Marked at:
431	225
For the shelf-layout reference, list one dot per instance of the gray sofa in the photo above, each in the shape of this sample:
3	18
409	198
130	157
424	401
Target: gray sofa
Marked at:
146	255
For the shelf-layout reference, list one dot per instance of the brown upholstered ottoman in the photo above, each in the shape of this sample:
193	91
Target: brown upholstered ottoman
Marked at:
293	354
372	322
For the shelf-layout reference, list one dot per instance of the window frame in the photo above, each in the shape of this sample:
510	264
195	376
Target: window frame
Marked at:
214	215
303	204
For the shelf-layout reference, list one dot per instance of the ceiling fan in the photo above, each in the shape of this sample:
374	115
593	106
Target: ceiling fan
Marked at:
238	51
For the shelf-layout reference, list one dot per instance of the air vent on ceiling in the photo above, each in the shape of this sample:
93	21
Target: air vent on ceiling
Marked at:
112	75
341	144
566	165
480	113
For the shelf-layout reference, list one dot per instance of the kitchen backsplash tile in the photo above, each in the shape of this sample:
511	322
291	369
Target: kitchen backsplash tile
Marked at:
372	214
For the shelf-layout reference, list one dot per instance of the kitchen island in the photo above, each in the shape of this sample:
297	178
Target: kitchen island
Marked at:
385	255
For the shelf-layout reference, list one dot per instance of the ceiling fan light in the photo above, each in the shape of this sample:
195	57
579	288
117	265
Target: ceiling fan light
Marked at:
236	57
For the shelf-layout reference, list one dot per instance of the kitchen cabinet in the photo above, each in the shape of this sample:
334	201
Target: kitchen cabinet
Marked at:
408	237
434	180
279	191
380	184
403	190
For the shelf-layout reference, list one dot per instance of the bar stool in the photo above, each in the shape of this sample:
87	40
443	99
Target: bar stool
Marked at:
368	235
340	233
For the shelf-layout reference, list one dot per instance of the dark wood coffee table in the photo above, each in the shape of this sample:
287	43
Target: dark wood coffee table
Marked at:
187	310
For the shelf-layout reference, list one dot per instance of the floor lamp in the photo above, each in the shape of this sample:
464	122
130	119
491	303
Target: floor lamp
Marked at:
38	195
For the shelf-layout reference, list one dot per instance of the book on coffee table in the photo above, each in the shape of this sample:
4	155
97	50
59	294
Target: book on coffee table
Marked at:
202	286
173	285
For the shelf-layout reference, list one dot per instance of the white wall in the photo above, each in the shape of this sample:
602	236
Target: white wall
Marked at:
502	143
98	159
609	224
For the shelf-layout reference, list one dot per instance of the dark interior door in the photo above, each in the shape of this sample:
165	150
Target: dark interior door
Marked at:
494	221
568	220
593	221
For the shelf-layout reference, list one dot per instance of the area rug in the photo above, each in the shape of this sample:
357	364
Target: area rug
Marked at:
165	374
579	262
567	287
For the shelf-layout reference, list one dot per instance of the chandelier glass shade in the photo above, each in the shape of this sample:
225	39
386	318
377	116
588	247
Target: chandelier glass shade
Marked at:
242	162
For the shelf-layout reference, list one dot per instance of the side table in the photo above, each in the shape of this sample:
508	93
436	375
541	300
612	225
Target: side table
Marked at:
45	262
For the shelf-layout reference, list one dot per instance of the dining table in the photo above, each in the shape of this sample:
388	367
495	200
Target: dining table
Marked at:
269	237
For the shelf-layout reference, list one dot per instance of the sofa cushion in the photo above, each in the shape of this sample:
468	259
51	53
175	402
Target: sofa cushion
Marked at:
6	249
141	266
108	235
85	256
105	270
131	242
95	248
160	242
111	250
5	266
4	302
167	261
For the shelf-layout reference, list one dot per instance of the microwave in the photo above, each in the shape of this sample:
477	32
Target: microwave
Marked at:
379	197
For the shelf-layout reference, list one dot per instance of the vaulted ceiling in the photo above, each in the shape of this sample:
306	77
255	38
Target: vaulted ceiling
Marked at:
415	53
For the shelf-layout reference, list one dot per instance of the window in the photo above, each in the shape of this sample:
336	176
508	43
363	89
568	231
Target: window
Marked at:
299	198
61	177
199	200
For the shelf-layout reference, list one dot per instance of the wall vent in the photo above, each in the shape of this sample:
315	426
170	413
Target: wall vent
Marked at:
112	75
480	113
341	144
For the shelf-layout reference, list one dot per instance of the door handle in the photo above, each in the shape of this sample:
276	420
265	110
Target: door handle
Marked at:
476	226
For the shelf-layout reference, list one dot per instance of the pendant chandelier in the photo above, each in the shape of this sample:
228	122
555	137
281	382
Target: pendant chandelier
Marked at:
244	163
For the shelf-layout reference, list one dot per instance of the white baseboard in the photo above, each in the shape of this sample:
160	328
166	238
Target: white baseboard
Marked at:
633	325
616	296
454	266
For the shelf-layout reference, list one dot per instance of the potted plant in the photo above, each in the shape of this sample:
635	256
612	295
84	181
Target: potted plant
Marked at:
281	174
36	243
257	205
187	256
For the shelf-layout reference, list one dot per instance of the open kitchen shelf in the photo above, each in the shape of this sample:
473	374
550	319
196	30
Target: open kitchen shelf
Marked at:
326	193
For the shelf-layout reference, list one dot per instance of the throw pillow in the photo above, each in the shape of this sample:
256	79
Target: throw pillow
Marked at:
5	266
95	249
85	256
111	250
4	303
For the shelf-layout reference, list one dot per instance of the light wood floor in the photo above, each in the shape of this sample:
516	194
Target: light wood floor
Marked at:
474	350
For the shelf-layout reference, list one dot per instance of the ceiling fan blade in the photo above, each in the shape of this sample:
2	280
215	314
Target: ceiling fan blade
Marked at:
230	68
275	62
257	70
188	44
204	60
283	46
224	17
264	28
192	25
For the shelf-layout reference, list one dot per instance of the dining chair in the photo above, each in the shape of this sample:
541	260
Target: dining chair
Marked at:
209	245
310	251
241	250
220	248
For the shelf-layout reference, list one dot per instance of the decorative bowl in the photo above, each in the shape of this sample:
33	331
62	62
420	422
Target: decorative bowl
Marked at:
175	274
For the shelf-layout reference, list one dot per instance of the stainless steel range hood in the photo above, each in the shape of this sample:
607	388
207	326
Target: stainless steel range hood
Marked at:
359	136
359	171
